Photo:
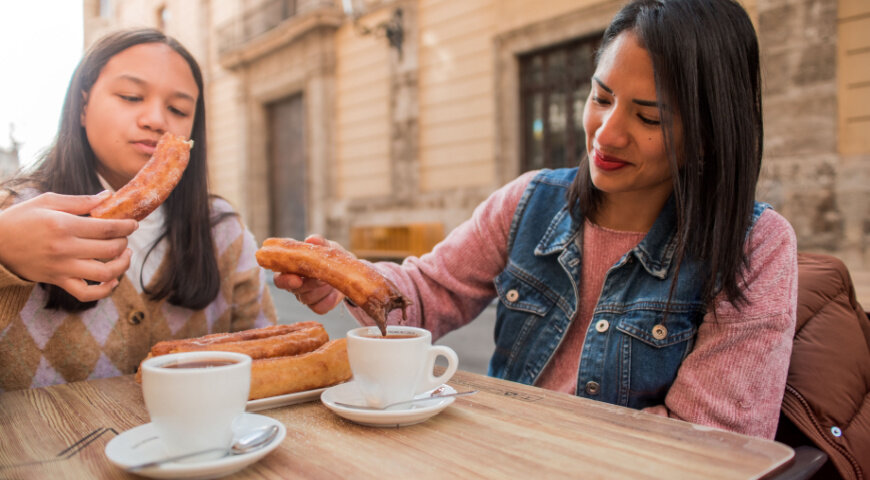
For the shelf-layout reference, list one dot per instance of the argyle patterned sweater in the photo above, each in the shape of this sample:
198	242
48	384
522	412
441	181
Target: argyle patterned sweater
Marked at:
40	347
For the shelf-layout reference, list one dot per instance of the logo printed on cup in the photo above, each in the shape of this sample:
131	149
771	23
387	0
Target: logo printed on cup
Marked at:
396	367
194	397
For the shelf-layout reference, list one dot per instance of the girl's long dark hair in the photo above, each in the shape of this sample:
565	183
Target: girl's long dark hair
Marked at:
706	62
192	279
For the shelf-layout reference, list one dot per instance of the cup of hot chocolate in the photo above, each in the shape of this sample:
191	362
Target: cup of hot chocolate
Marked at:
194	397
397	366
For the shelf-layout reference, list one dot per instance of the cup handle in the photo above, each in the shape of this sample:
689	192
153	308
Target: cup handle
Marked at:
430	381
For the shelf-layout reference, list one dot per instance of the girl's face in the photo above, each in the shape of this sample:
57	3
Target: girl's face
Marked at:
141	93
624	138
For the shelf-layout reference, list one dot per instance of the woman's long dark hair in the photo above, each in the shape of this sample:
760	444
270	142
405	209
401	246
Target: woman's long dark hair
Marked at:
69	167
706	62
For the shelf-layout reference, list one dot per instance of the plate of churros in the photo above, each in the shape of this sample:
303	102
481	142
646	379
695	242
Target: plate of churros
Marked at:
290	364
282	400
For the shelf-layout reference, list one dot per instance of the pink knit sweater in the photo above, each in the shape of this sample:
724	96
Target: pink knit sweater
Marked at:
733	379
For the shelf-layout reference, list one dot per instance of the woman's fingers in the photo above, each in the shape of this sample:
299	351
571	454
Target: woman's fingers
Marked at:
287	281
317	239
319	296
327	303
317	293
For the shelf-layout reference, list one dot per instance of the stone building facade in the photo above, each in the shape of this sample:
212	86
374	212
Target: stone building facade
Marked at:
8	161
328	107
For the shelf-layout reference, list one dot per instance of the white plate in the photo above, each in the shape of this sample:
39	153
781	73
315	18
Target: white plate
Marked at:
281	400
141	444
395	417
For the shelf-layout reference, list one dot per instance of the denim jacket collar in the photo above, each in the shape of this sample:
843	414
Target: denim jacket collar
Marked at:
655	252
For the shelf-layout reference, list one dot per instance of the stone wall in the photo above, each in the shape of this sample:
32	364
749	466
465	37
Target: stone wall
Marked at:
824	194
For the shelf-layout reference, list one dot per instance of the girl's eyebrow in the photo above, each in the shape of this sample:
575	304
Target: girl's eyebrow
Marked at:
139	81
643	103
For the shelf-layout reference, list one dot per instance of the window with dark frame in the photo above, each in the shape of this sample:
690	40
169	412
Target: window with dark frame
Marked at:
554	84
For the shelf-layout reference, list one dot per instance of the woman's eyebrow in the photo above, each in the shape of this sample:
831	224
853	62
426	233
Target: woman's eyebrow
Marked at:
643	103
139	81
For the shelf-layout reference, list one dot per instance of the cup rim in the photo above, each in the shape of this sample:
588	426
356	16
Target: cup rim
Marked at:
356	333
155	364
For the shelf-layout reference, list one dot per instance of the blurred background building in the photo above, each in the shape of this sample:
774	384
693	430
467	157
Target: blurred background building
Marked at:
382	124
9	158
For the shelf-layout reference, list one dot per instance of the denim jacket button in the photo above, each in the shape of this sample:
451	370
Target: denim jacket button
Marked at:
592	388
512	295
602	326
659	332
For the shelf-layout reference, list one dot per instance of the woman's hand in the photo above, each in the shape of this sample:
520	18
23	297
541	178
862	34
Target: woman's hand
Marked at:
319	296
45	239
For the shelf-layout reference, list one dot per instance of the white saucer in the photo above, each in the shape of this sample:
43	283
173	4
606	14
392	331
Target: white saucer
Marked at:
395	417
141	444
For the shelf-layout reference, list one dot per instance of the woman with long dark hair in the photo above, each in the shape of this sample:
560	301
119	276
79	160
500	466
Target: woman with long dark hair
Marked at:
83	297
649	276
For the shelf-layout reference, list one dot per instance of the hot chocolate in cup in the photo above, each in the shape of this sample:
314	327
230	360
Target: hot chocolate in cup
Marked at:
397	366
194	397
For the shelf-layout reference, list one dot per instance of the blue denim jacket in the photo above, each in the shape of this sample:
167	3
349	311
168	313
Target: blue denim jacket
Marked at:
631	353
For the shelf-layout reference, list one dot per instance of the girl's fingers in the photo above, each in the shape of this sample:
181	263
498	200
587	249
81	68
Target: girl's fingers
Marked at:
87	249
74	204
107	274
87	293
98	228
99	271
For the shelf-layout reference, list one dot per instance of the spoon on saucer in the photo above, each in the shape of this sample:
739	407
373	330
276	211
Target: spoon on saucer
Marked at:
434	395
247	443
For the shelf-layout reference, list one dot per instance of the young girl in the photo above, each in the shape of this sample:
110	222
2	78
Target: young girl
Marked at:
648	277
84	298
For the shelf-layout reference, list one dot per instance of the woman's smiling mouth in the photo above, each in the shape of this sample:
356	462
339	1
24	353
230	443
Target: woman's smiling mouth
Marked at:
605	162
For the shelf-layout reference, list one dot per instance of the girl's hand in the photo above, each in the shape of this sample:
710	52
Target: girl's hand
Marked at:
45	239
319	296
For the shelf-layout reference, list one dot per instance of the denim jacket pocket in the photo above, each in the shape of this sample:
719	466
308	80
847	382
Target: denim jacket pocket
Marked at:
647	328
650	354
519	291
524	325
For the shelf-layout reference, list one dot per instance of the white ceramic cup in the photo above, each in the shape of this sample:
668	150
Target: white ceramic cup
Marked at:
389	370
193	408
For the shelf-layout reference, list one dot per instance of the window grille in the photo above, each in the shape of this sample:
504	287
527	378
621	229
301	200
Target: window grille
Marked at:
554	84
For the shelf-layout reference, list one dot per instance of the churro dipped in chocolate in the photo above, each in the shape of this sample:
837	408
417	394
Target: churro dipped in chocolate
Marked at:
357	280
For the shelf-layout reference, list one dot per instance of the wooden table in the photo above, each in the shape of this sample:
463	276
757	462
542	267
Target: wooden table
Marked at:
508	430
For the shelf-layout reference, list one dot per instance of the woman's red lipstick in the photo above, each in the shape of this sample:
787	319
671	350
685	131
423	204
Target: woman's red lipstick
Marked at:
605	162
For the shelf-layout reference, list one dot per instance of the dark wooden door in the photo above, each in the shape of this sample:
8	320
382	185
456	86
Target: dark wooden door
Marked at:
288	168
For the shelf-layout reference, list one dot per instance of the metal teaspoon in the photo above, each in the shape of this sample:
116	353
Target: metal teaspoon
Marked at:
434	395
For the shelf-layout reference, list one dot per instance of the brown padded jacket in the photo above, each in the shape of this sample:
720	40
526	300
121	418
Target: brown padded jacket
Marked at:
827	394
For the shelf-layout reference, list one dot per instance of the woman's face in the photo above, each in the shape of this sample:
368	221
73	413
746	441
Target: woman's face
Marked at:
141	93
624	138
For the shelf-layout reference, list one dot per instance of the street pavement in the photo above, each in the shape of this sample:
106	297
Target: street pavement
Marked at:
473	343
